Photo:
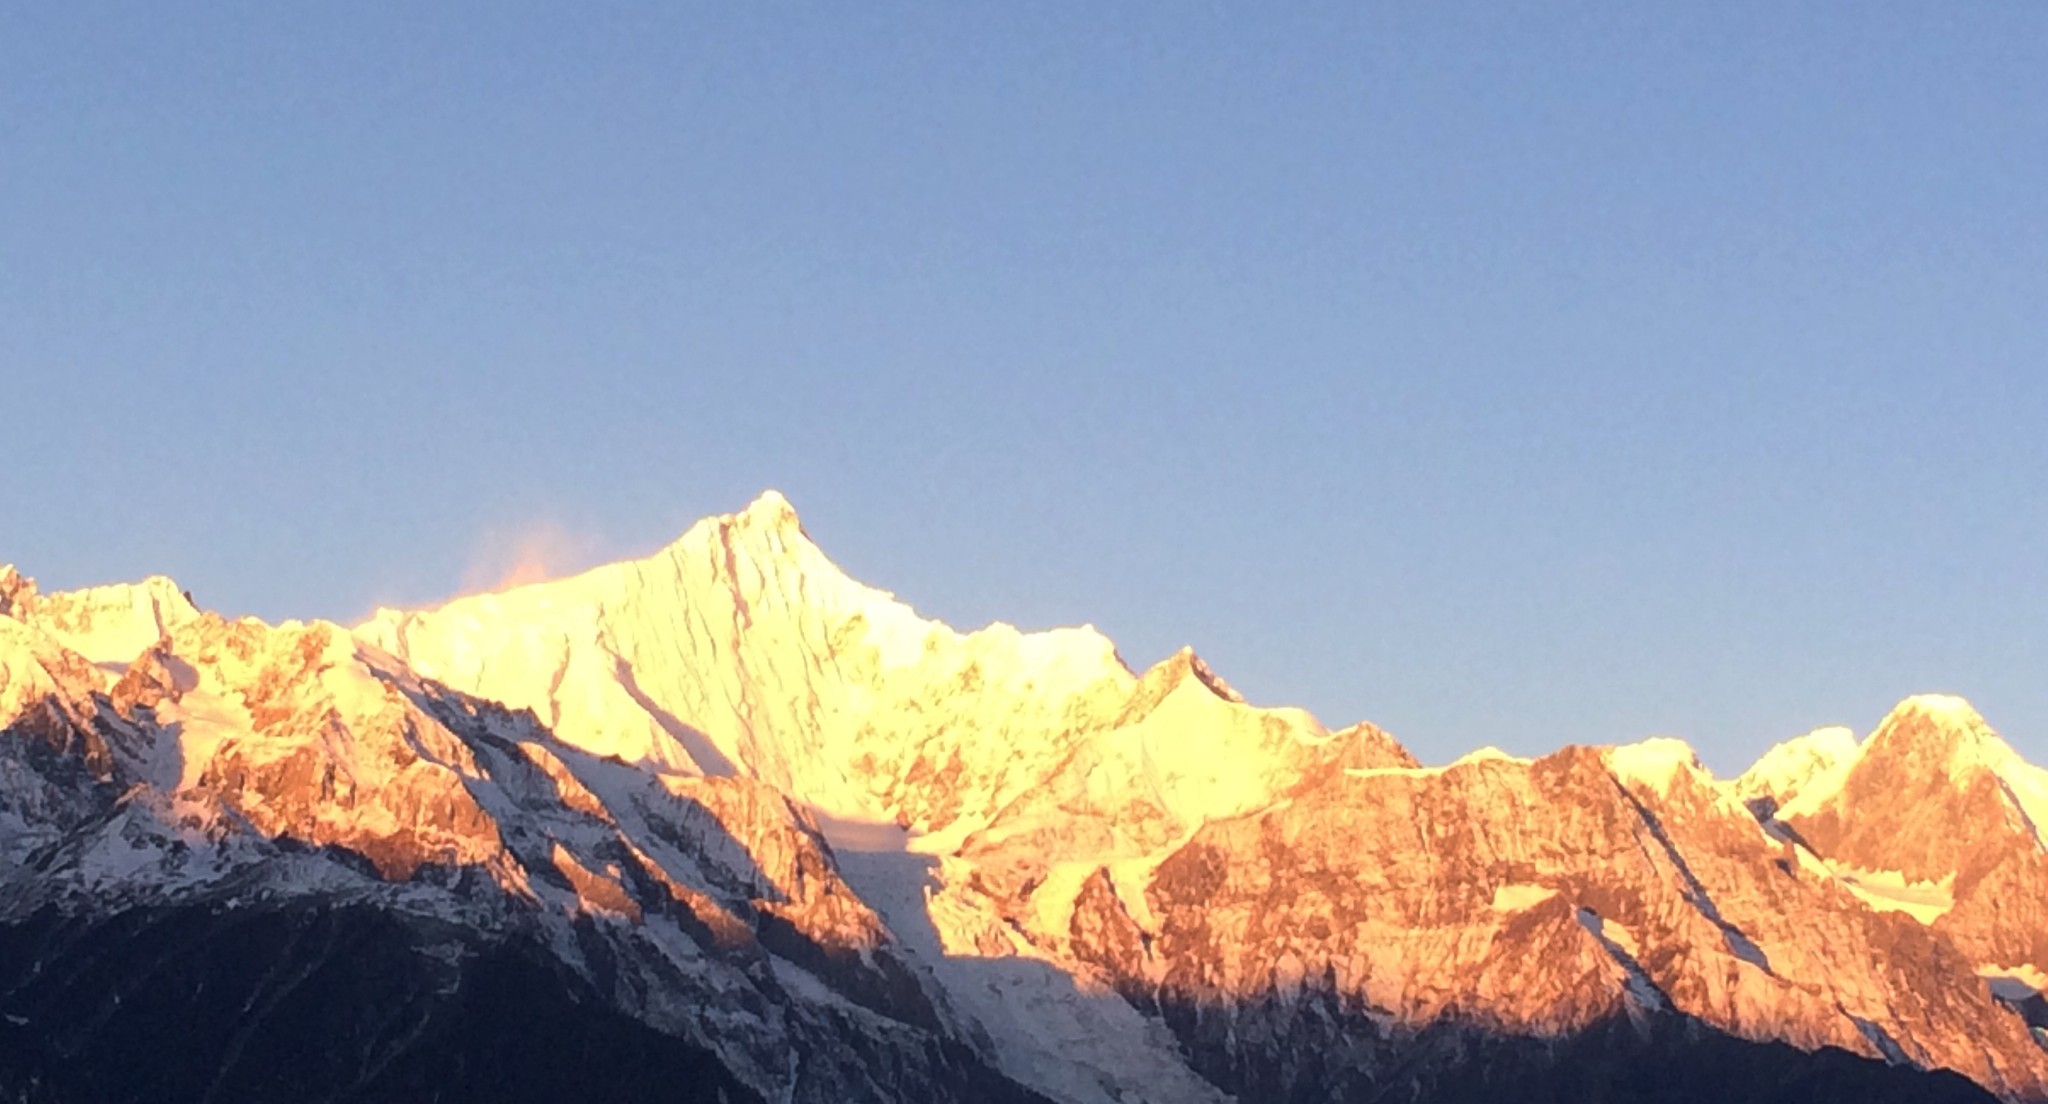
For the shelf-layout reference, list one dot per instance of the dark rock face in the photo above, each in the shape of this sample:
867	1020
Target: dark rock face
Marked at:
353	1002
1315	1047
356	1003
306	1002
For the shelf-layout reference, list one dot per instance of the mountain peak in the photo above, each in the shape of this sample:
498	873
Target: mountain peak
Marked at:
769	508
1187	662
764	530
1935	731
1169	674
1950	710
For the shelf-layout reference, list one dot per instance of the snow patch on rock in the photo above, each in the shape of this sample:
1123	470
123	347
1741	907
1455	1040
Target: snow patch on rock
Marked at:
1891	891
1519	897
1654	763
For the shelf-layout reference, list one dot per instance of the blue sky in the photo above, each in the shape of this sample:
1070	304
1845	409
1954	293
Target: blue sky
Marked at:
1511	373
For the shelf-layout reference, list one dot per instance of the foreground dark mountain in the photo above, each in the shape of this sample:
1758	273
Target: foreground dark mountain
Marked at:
311	1002
723	824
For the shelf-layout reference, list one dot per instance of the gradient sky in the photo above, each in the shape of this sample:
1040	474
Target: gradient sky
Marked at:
1508	373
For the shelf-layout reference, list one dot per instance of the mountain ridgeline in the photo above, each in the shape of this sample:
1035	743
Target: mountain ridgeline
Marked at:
723	824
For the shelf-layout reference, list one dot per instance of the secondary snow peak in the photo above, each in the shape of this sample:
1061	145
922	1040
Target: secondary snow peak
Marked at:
1781	773
1654	763
1933	793
1937	735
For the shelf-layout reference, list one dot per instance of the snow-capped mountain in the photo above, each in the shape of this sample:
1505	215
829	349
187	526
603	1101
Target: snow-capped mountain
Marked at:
723	823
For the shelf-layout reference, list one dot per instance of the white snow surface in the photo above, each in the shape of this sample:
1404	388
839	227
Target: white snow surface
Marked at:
1489	754
741	648
1517	897
1891	891
1787	768
1070	1037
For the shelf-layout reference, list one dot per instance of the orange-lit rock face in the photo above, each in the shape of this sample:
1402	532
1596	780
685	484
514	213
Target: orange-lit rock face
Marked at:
1542	897
785	867
598	891
1531	898
305	735
292	730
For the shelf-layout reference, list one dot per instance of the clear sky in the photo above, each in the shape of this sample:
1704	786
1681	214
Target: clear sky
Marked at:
1502	373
